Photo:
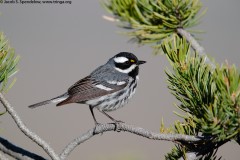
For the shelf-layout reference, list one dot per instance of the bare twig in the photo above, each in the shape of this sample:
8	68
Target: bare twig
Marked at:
2	157
99	129
128	128
17	152
34	137
195	45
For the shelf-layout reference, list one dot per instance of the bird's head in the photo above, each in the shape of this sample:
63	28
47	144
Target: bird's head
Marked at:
125	62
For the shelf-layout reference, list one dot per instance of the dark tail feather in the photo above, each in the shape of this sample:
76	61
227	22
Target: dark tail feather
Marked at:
40	104
53	100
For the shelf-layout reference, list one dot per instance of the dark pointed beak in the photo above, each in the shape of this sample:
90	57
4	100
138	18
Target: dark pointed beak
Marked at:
141	62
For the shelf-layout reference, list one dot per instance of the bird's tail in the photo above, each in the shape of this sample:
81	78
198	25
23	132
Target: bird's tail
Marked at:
53	100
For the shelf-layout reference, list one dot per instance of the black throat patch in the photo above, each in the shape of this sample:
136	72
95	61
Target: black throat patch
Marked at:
134	72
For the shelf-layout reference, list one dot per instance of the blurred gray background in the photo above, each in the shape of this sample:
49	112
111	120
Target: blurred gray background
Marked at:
60	44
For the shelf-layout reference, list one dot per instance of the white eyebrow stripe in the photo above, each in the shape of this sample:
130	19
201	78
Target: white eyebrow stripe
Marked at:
120	59
117	83
128	70
100	86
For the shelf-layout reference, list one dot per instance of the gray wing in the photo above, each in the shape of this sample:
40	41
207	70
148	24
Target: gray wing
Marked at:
85	89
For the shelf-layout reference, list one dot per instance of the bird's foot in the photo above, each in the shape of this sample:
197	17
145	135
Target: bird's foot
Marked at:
117	124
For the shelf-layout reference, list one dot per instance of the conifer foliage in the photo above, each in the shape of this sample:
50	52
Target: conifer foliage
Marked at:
209	96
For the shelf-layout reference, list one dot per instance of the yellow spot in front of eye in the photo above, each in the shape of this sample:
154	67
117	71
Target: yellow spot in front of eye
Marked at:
132	60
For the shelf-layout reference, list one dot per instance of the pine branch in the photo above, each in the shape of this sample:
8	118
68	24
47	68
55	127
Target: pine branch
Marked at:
127	128
152	21
17	152
195	45
209	97
34	137
9	62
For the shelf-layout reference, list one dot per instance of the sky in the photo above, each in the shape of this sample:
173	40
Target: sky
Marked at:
62	43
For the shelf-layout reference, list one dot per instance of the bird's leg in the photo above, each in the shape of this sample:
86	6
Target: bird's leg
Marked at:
116	122
95	121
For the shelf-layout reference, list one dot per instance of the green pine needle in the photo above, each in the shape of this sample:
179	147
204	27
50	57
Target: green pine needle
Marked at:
151	20
8	64
210	98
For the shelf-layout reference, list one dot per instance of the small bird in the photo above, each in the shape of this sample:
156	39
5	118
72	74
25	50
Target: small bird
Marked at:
107	88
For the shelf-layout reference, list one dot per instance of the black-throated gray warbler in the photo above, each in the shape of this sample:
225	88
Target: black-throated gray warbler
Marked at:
107	88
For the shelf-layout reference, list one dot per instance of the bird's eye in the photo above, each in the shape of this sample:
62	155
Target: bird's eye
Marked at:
127	62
